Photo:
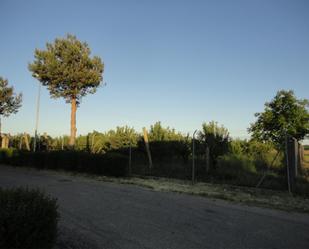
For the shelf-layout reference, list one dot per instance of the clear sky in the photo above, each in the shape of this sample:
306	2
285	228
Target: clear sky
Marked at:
178	62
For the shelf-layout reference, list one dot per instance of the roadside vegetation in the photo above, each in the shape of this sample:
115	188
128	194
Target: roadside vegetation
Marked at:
239	194
28	219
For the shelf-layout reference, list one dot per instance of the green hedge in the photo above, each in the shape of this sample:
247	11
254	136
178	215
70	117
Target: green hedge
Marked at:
28	219
241	170
231	165
111	164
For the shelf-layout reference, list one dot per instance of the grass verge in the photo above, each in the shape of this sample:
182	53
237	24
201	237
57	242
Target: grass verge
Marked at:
244	195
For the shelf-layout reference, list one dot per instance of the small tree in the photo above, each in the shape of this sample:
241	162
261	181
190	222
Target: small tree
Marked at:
216	138
284	115
9	101
68	71
159	133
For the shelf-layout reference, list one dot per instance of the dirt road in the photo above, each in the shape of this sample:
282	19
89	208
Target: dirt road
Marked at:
108	215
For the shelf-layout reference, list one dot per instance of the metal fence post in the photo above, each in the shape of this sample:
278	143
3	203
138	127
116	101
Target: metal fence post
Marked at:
291	161
130	158
193	157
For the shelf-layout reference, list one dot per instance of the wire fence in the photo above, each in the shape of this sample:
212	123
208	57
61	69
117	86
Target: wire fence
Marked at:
172	159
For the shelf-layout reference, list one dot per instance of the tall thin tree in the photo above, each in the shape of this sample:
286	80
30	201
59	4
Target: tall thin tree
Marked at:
68	71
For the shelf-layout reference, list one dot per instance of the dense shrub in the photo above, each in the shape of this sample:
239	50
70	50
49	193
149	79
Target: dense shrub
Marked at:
238	169
216	139
112	163
169	151
231	163
6	154
28	219
264	155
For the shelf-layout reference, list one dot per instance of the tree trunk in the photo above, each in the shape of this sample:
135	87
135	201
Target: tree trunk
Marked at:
73	122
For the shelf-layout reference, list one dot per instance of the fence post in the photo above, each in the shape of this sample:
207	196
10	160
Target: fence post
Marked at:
62	142
193	157
26	141
291	159
88	143
147	147
207	158
92	142
130	158
21	142
300	157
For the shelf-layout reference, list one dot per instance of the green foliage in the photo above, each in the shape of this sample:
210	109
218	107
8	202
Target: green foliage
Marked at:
237	170
167	145
231	164
121	138
28	219
284	115
6	154
9	101
263	154
158	133
238	146
97	142
216	138
67	69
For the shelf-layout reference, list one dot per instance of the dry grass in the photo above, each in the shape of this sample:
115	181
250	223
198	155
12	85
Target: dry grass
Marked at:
250	196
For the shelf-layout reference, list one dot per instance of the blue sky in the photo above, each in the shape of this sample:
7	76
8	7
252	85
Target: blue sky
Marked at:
180	62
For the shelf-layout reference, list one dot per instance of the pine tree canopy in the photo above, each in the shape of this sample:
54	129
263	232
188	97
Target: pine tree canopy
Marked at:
9	101
67	69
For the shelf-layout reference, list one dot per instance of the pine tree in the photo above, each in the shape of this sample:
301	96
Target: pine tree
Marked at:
68	71
9	101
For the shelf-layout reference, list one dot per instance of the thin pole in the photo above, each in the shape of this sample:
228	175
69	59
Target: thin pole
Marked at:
193	157
147	147
130	158
37	117
287	163
0	132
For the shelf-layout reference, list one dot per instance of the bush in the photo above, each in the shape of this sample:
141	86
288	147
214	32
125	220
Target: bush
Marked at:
231	163
6	154
216	139
168	151
239	169
28	219
264	155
